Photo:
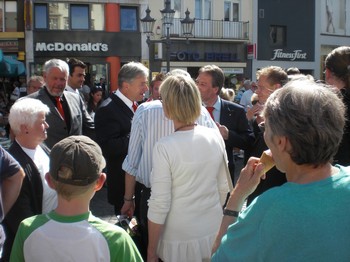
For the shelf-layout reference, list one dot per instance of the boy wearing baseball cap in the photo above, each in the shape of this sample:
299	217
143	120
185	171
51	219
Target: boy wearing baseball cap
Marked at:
71	232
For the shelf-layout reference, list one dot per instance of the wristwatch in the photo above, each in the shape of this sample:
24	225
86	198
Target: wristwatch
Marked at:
231	213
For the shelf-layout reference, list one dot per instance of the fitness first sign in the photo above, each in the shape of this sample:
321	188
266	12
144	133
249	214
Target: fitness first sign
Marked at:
278	54
70	47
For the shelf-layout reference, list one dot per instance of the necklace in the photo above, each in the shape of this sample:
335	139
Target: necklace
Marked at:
184	126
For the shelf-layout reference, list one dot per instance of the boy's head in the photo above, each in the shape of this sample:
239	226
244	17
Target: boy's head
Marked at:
76	162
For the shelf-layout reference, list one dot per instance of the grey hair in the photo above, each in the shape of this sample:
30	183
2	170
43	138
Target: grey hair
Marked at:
311	116
130	71
56	63
25	112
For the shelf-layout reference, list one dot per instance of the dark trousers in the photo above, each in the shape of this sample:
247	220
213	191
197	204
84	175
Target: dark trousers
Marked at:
142	206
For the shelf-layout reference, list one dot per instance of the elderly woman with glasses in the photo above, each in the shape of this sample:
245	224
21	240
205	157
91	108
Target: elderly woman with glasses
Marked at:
28	123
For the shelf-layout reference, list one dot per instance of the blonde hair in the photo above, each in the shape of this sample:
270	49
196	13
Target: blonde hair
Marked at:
181	98
67	191
227	94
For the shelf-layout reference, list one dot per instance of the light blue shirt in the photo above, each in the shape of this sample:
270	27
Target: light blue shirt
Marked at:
148	126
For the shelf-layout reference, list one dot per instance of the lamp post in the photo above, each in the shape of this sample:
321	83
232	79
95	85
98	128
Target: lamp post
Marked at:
167	20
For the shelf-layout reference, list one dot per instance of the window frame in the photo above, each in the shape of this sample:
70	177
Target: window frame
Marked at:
135	27
71	7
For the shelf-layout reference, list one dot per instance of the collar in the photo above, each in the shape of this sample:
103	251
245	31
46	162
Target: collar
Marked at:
70	89
28	151
217	104
126	100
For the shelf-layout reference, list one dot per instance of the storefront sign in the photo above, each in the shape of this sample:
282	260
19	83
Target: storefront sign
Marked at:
207	56
71	47
295	55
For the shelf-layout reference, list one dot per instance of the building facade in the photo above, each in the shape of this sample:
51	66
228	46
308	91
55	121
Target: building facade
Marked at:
298	33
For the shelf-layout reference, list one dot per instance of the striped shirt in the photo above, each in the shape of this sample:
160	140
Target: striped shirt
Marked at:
148	126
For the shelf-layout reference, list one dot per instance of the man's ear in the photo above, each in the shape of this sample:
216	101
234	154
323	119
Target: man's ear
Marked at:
48	179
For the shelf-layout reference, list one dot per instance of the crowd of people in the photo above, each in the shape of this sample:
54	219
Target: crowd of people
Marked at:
169	161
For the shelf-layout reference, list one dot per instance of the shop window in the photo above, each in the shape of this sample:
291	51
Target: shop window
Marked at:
79	17
128	18
277	36
8	16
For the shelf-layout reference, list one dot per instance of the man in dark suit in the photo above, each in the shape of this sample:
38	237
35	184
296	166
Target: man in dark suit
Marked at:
113	125
230	117
68	115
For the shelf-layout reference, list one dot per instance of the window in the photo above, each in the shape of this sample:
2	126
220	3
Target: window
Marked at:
79	17
203	9
40	16
231	11
176	5
8	10
277	36
59	16
128	18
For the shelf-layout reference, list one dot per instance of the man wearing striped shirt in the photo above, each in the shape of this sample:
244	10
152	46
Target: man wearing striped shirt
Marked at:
148	126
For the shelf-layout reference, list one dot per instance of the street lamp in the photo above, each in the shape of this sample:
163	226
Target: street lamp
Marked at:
167	20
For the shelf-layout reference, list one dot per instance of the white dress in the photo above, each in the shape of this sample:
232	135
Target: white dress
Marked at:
188	183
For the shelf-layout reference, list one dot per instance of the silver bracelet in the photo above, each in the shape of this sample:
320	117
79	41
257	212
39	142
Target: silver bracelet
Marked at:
129	200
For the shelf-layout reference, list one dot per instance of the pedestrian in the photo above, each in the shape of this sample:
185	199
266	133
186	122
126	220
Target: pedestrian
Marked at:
28	123
148	126
71	232
189	179
270	79
11	175
34	84
230	117
304	219
337	74
113	123
68	115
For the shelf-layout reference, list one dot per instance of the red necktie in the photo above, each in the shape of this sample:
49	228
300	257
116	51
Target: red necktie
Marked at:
59	106
134	106
210	110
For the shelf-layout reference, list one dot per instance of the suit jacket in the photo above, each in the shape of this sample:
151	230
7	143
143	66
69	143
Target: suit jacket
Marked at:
233	116
81	122
30	199
113	124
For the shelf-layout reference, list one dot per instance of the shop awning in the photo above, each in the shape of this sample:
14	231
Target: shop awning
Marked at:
10	67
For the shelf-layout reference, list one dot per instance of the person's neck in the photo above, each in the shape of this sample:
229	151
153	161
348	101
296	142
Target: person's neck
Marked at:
23	142
304	174
179	126
211	102
74	207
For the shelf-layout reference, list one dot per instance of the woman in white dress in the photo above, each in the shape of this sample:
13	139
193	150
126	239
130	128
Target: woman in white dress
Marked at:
188	182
